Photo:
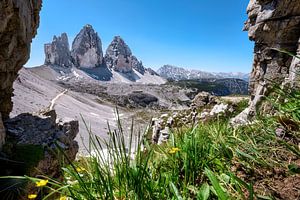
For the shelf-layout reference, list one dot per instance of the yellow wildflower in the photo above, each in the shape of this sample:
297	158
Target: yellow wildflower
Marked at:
174	150
32	196
80	169
63	198
41	183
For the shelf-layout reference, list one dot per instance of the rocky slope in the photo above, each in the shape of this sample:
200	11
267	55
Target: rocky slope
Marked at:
87	48
179	73
273	24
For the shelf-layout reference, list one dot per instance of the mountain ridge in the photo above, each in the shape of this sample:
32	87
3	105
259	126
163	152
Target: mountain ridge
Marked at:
179	73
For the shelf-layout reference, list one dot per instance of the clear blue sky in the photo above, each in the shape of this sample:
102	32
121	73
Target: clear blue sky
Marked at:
198	34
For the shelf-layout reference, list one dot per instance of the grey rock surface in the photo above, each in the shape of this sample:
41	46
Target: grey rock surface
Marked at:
119	57
19	22
87	48
58	51
41	131
273	25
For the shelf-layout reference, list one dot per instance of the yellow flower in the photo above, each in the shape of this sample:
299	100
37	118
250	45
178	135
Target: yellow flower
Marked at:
41	183
174	150
63	198
80	169
32	196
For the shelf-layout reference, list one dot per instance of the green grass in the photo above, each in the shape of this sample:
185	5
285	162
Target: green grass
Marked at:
207	161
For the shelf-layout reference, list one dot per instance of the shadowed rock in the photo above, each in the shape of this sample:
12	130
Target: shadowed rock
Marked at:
58	52
27	131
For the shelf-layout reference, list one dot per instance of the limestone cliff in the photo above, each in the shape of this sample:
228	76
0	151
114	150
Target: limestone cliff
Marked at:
273	24
119	57
87	48
58	52
19	22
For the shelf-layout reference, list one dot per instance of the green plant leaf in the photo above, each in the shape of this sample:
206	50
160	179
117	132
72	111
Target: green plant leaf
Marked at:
203	193
294	168
216	185
175	191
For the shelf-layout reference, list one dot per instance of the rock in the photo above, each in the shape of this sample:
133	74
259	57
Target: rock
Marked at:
202	99
41	132
240	119
2	133
58	52
156	128
119	57
273	25
218	109
164	136
19	22
87	48
152	72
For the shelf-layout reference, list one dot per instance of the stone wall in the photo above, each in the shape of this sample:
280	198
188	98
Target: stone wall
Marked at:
273	25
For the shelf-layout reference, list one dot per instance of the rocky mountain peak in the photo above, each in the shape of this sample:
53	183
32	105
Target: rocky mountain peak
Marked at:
119	57
87	48
58	51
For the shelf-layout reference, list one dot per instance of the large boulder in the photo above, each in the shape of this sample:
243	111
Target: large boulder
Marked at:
272	25
119	57
58	52
41	132
87	48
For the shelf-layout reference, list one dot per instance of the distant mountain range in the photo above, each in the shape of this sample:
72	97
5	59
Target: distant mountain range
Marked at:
179	73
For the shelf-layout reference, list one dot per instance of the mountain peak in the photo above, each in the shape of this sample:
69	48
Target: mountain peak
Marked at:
119	57
58	51
87	48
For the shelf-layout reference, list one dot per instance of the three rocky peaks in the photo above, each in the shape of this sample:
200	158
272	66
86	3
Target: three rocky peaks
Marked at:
86	53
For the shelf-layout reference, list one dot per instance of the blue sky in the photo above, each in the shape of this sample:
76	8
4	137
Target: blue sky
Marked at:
198	34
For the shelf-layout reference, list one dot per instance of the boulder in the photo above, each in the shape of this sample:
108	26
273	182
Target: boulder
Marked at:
202	99
87	48
44	141
58	51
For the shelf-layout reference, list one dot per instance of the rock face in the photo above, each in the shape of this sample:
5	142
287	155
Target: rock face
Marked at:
87	49
58	52
119	57
2	133
19	22
31	139
47	137
273	24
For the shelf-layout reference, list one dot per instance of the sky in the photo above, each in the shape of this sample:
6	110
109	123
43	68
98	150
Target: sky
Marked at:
197	34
